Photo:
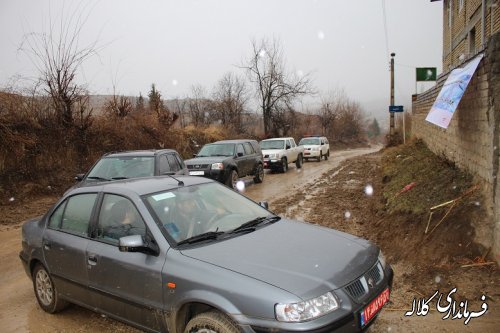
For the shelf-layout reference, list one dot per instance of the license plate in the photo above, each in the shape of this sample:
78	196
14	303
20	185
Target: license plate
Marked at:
196	173
374	307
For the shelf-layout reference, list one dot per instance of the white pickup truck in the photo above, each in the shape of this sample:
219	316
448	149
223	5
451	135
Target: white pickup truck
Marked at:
278	152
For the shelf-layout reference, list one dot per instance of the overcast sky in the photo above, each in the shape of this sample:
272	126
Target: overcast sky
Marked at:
177	44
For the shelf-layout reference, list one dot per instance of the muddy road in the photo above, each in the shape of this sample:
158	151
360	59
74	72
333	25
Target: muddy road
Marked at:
19	311
277	185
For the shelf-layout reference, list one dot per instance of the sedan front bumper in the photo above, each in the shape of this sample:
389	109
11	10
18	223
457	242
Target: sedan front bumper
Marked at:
348	320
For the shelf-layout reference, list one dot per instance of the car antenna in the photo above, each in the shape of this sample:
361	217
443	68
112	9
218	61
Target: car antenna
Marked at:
179	182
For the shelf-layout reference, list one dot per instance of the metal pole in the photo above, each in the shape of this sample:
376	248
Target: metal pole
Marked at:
391	120
404	127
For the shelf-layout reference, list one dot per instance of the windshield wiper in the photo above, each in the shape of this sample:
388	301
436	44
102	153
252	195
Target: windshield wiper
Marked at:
98	178
201	237
118	178
252	224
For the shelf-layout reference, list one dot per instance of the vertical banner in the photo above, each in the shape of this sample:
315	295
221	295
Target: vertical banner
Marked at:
451	93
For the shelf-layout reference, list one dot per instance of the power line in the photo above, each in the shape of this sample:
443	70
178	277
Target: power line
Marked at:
385	30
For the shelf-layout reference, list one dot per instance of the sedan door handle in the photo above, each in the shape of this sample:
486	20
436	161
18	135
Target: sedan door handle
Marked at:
92	260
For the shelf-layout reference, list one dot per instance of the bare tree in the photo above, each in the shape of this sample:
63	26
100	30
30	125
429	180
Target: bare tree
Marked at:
119	106
230	98
200	107
332	105
276	88
179	108
58	55
342	119
351	122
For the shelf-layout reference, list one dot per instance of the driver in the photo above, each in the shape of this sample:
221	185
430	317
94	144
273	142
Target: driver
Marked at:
187	216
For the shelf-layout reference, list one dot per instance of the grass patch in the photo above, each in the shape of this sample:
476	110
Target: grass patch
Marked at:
432	179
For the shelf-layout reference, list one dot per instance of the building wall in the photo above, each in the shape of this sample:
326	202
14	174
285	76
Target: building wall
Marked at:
458	45
472	139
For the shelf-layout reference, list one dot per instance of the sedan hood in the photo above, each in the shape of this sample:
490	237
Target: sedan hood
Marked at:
272	151
207	160
301	258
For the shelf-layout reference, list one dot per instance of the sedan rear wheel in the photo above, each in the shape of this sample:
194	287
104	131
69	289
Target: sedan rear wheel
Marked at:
299	161
45	291
211	322
259	174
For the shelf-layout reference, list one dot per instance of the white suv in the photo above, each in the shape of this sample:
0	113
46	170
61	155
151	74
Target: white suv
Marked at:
315	147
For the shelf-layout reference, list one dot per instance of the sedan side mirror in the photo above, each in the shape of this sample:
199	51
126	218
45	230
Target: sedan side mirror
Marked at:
264	204
79	177
240	154
135	243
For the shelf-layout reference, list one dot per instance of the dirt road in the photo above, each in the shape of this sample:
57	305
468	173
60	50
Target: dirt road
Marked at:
326	193
19	311
276	185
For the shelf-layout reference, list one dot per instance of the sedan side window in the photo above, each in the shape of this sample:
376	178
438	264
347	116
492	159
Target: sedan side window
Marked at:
174	164
119	218
56	218
76	216
164	166
239	149
248	148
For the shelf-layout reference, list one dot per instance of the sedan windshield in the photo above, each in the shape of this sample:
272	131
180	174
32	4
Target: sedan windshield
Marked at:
222	149
110	168
272	144
203	210
309	141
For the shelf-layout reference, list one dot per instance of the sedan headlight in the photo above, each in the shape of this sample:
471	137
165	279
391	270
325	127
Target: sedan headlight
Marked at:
274	155
217	166
315	149
307	310
381	259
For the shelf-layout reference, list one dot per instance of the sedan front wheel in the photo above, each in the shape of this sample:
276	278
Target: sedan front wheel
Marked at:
211	322
232	179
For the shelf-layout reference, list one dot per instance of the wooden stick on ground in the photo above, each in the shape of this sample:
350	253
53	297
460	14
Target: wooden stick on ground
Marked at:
479	264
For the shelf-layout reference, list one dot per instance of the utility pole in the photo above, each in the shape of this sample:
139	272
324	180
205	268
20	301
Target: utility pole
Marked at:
391	120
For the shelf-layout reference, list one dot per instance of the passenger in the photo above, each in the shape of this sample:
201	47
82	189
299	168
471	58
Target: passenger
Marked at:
123	221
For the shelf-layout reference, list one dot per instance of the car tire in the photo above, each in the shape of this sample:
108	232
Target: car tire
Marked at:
232	179
284	165
319	157
259	174
211	322
327	155
299	161
45	291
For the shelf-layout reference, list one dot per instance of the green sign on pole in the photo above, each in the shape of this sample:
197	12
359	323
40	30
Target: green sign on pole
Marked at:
426	73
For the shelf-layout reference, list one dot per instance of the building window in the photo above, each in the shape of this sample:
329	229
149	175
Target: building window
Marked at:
472	41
